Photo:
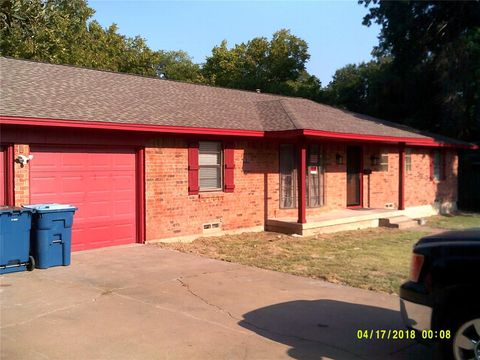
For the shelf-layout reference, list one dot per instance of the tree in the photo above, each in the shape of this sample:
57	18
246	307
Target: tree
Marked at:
435	52
178	65
276	66
43	30
61	32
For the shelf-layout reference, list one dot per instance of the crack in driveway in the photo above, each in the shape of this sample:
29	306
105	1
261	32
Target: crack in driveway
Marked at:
186	286
265	329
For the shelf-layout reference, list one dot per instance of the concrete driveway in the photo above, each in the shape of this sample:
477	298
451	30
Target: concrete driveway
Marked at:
143	302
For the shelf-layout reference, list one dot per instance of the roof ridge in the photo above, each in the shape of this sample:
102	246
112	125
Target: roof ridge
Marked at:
290	116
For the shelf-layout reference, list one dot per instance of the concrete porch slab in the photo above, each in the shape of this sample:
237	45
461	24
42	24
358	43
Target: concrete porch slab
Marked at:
333	221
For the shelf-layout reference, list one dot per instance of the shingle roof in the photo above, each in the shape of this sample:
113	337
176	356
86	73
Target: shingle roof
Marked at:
40	90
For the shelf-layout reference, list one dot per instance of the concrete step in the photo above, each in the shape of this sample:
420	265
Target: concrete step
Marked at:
398	222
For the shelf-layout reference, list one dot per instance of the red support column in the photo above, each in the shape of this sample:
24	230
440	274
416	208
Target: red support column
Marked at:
401	176
302	179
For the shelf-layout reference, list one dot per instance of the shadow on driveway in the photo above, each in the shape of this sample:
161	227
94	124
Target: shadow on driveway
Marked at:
328	329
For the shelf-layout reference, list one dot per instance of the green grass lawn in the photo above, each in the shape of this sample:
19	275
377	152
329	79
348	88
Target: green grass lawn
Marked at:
459	221
376	259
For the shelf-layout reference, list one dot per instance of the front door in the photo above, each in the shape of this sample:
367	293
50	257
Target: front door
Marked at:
354	175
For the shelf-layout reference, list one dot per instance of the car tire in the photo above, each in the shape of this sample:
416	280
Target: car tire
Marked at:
464	342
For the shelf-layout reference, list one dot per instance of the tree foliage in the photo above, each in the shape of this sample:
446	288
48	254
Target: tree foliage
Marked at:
276	66
62	32
427	68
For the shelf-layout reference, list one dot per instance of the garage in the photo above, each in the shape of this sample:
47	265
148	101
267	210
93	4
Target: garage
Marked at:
100	183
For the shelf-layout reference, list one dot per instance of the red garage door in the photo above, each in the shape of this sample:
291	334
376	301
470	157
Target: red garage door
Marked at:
100	183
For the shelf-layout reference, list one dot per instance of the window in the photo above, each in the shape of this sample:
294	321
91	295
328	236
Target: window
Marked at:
438	165
210	165
384	161
314	176
408	159
288	177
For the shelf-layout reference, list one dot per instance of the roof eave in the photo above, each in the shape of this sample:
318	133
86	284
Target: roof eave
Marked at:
166	129
411	141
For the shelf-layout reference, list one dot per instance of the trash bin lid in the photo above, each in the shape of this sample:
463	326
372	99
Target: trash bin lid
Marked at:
13	209
50	207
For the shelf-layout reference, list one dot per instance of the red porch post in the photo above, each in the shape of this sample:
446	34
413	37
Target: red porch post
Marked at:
302	179
401	176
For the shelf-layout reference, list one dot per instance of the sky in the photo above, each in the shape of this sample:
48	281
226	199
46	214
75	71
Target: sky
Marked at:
332	29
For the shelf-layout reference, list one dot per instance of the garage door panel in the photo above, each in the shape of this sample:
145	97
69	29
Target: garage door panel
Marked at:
122	208
100	184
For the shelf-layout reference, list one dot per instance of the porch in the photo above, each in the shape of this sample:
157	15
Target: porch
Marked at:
339	220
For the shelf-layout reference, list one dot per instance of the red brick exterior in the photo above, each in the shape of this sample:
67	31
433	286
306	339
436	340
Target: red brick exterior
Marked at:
22	176
420	189
171	212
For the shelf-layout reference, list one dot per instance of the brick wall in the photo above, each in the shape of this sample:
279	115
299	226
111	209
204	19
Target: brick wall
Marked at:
381	186
171	212
420	189
22	176
335	177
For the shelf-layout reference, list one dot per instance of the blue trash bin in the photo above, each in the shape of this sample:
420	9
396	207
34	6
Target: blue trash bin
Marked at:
15	224
51	236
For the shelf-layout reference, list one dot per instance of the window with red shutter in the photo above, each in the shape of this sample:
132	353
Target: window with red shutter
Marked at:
210	168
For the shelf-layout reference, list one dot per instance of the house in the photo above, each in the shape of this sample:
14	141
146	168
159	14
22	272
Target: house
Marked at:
147	159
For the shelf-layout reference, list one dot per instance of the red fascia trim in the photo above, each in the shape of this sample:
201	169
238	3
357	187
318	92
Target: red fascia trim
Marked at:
390	139
140	195
33	121
282	134
30	121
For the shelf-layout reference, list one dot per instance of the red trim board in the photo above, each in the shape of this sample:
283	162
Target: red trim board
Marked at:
410	141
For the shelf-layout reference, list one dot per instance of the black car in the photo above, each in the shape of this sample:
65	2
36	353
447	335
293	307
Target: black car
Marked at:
441	300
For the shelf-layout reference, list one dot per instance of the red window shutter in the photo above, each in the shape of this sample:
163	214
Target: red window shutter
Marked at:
193	168
432	159
229	160
443	170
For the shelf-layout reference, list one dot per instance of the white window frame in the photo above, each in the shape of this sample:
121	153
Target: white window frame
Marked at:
219	166
383	163
437	167
408	159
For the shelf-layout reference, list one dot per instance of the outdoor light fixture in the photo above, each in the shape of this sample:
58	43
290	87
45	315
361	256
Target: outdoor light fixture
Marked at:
23	160
339	159
375	160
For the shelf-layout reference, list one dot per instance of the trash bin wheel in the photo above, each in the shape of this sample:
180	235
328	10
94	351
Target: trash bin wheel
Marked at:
31	263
